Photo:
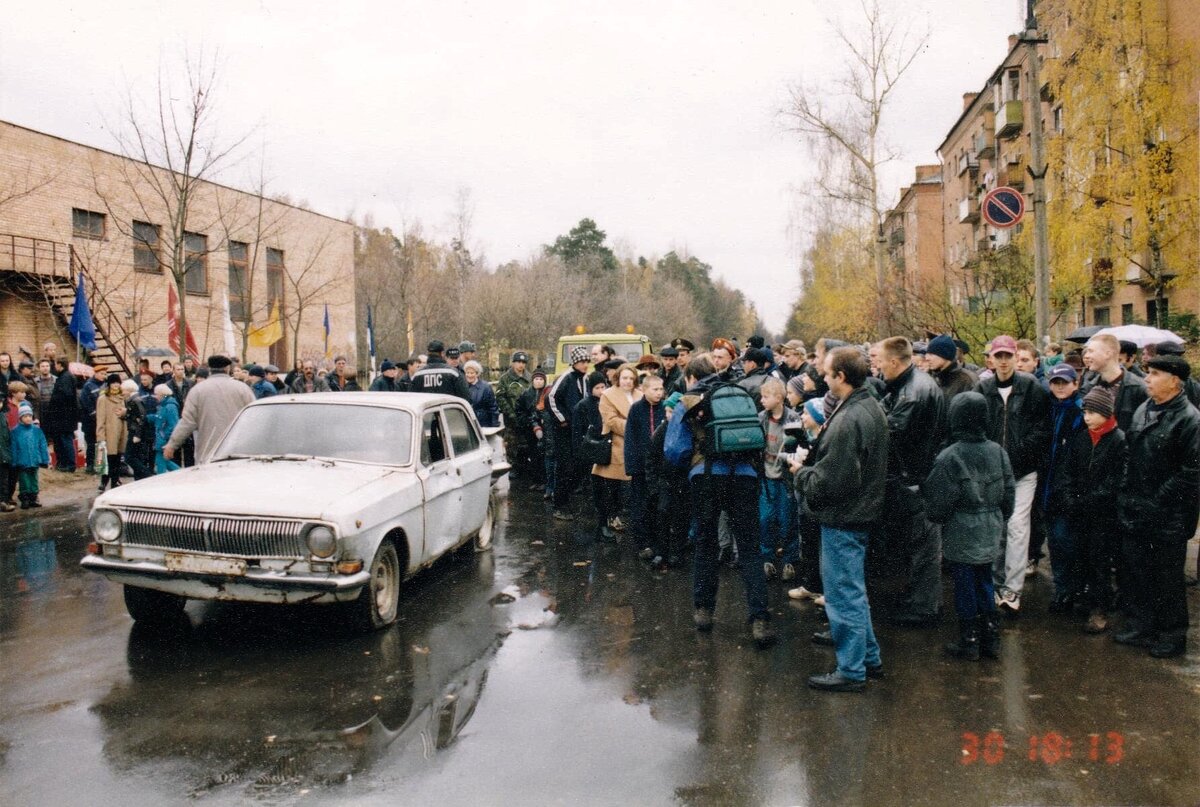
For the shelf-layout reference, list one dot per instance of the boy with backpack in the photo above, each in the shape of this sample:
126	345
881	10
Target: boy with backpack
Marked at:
714	433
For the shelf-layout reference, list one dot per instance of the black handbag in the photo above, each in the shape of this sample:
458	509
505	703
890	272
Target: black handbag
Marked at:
597	449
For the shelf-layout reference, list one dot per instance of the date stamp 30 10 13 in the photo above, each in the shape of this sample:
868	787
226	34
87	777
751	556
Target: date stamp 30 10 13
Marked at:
1050	748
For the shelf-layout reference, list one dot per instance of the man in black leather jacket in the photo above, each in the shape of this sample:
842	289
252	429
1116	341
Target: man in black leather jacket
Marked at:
916	413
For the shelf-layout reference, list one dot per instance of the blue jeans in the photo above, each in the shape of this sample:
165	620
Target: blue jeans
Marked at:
777	521
1062	556
973	592
843	556
734	495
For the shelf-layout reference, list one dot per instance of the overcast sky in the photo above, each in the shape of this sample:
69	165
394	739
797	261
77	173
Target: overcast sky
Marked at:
656	119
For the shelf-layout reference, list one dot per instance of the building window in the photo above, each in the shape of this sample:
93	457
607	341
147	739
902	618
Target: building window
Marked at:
1127	230
239	263
1152	312
1058	119
274	259
1014	85
195	263
87	224
145	247
1127	314
1100	316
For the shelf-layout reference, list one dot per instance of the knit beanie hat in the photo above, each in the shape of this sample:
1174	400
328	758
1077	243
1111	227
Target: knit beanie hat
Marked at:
1100	401
815	410
796	384
595	378
579	353
943	346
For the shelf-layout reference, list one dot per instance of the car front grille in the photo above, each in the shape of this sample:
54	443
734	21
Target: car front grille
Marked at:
218	535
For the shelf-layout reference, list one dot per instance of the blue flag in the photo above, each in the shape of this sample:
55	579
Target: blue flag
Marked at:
370	331
327	330
81	328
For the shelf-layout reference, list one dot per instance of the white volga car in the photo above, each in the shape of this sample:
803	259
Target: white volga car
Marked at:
322	498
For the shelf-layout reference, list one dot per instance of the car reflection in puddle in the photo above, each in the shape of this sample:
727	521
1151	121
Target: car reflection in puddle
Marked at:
256	700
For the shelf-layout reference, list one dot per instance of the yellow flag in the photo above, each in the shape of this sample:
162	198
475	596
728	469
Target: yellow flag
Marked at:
270	333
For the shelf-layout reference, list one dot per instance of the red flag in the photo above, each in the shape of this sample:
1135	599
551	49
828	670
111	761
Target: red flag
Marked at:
173	327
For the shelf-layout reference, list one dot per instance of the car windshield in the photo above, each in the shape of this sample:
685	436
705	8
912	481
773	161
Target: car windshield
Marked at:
333	431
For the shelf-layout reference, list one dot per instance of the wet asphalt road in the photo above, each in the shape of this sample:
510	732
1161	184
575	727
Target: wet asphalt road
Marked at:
556	671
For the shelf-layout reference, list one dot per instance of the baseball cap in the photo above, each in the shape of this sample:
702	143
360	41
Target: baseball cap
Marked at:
1062	372
1004	344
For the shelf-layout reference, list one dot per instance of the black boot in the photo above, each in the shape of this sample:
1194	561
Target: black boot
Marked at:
967	646
989	635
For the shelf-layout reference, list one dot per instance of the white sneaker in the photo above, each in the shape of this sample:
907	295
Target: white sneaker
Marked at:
801	593
1011	600
789	572
819	600
769	570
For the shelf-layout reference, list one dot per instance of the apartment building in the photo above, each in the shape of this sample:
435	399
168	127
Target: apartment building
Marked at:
68	209
913	231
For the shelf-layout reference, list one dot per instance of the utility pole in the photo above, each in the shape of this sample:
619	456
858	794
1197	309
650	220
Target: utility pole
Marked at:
1037	171
881	315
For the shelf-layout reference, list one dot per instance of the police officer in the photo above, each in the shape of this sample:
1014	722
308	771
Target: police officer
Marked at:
455	361
437	376
517	435
671	374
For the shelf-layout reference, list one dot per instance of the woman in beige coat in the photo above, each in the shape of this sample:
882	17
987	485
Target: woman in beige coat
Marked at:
111	429
607	479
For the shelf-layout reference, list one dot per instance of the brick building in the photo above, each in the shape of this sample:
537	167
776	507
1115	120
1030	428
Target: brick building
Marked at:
67	208
913	231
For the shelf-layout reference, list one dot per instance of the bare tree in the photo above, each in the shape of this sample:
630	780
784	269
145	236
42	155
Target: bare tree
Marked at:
173	149
308	282
842	123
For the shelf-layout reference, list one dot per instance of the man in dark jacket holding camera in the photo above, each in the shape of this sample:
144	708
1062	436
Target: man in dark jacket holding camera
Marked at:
842	481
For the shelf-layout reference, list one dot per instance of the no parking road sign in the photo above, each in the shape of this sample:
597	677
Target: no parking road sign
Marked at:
1003	207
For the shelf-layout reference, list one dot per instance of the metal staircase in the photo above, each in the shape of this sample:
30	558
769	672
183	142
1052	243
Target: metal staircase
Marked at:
50	269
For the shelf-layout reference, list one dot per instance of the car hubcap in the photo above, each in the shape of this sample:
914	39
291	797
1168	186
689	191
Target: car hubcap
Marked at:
385	585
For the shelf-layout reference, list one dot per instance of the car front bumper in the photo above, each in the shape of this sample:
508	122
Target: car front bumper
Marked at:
256	585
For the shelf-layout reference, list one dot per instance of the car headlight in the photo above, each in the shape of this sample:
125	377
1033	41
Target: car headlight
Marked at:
321	541
106	525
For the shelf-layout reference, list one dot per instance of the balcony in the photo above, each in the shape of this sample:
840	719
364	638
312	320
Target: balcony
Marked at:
896	237
968	210
1098	187
1010	117
1014	175
968	162
985	147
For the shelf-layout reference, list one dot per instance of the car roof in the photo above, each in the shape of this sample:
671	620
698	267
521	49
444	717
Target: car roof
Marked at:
412	401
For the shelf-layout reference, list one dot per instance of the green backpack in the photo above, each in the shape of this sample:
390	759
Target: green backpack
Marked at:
729	425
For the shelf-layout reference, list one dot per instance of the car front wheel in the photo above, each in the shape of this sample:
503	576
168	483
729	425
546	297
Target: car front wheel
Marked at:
379	602
153	607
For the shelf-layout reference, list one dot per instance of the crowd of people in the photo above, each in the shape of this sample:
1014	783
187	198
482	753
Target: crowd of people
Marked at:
900	457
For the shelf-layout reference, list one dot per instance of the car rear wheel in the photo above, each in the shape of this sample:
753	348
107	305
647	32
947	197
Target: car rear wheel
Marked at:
153	607
483	541
378	604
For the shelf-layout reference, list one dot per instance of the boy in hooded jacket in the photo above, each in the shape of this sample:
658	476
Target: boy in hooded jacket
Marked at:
970	492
